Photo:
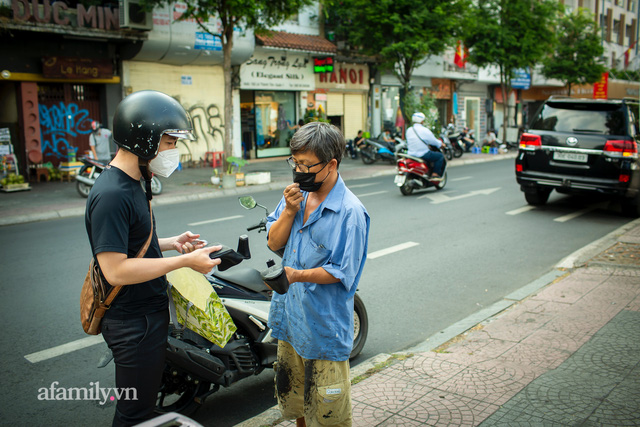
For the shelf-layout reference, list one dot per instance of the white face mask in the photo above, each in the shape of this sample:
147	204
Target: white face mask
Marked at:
165	162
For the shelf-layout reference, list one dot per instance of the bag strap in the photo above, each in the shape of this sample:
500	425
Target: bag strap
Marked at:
418	135
143	250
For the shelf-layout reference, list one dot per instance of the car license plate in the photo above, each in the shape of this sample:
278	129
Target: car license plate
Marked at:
570	157
399	180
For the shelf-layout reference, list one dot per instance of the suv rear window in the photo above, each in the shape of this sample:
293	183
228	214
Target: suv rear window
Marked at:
607	119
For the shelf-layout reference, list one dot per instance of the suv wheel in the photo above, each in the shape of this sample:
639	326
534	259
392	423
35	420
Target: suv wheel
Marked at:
538	197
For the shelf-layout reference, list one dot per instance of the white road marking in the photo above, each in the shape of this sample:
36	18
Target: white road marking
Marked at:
52	352
392	249
521	210
371	194
437	198
368	184
209	221
462	178
576	214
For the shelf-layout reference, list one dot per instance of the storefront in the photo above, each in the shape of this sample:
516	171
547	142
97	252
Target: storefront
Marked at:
60	71
343	94
273	94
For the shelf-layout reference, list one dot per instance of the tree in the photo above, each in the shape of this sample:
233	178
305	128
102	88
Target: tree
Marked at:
258	15
510	34
400	34
577	58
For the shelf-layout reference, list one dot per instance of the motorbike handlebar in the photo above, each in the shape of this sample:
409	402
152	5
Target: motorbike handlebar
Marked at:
261	226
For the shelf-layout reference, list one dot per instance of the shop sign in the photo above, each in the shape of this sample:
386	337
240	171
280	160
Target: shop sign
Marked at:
41	11
278	70
345	76
323	65
59	67
521	79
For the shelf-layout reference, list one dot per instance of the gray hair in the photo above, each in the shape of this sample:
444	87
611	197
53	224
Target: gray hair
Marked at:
322	139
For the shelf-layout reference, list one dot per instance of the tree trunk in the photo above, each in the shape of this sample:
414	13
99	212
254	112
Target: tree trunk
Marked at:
227	46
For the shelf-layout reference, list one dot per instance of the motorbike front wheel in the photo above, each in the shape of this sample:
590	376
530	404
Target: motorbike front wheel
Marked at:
177	394
156	185
368	155
448	154
457	150
83	189
360	326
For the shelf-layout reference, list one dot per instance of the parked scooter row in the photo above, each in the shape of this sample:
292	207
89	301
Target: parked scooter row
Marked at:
195	367
91	170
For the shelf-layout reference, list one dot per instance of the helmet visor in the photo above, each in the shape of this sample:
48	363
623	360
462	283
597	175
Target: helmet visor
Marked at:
182	134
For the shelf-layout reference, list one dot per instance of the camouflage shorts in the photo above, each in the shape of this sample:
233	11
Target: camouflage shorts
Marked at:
318	390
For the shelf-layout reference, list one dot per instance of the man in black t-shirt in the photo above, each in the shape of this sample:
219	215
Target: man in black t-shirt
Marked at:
146	126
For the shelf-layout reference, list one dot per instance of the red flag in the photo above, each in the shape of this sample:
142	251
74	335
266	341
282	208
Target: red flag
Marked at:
460	59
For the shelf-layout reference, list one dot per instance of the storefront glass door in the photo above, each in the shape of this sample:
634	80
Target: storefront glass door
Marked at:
275	120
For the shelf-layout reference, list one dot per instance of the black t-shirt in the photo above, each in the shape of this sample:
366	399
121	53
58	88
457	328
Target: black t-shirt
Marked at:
118	220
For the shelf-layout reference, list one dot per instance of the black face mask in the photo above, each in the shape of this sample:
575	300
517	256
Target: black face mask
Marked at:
307	181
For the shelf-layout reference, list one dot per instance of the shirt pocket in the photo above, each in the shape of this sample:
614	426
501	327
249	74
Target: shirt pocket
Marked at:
315	256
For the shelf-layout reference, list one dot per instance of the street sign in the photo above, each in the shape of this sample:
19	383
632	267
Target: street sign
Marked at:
521	79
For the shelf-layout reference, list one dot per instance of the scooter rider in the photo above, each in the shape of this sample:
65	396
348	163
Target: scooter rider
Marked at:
419	140
146	126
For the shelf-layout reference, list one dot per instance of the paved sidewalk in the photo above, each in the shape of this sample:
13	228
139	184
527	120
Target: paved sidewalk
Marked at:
51	200
564	350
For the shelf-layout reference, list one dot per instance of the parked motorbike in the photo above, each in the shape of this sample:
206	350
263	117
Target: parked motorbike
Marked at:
380	149
455	139
413	174
195	367
91	170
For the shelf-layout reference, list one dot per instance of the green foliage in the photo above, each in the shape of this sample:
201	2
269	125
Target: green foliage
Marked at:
631	75
315	115
511	34
426	104
577	58
400	34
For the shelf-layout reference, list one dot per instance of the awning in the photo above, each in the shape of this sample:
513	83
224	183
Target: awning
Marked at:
297	42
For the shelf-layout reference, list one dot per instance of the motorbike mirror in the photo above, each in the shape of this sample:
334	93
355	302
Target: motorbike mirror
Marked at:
248	202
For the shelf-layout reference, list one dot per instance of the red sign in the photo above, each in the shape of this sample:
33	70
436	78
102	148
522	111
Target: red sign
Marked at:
600	88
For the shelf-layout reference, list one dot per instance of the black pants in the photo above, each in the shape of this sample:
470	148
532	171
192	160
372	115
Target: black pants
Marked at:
138	346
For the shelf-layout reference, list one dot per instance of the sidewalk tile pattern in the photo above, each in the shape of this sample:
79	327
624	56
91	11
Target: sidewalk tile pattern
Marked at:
569	355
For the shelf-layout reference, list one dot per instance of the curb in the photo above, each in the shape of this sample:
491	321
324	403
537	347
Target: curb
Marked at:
168	199
577	259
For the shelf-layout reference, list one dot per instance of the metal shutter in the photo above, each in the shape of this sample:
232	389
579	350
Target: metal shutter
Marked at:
335	104
353	114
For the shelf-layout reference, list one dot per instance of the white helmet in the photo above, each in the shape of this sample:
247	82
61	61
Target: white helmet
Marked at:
418	117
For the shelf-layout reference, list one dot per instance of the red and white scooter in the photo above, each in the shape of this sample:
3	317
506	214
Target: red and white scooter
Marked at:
414	173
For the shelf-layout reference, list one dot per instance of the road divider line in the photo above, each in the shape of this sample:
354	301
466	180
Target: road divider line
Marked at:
372	194
209	221
521	210
462	178
72	346
392	249
576	214
368	184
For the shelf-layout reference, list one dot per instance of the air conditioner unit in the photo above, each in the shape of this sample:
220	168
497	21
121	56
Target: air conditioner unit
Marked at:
133	16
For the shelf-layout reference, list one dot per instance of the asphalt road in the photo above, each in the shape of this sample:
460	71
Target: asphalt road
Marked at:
465	247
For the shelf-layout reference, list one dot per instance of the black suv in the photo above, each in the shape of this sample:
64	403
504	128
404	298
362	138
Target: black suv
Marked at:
582	146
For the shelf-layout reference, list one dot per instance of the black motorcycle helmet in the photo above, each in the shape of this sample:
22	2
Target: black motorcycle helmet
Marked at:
143	117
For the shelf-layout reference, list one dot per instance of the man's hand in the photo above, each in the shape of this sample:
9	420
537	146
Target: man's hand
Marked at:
293	197
199	259
187	242
291	274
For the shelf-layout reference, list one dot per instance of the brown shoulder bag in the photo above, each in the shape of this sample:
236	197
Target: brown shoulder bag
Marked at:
95	298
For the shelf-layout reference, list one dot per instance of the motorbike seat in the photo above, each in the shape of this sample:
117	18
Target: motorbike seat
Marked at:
248	278
417	159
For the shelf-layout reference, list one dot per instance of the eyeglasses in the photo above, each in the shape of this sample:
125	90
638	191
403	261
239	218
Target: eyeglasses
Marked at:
303	168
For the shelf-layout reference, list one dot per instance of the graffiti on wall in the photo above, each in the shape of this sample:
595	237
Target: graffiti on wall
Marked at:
208	126
58	123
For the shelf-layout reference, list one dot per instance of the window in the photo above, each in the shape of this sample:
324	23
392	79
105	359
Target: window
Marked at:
575	118
275	118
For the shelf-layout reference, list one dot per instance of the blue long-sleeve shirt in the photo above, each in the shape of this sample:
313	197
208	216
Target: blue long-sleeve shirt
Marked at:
317	319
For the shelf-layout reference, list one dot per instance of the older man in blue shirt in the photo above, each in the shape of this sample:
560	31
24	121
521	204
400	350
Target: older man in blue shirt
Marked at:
324	230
